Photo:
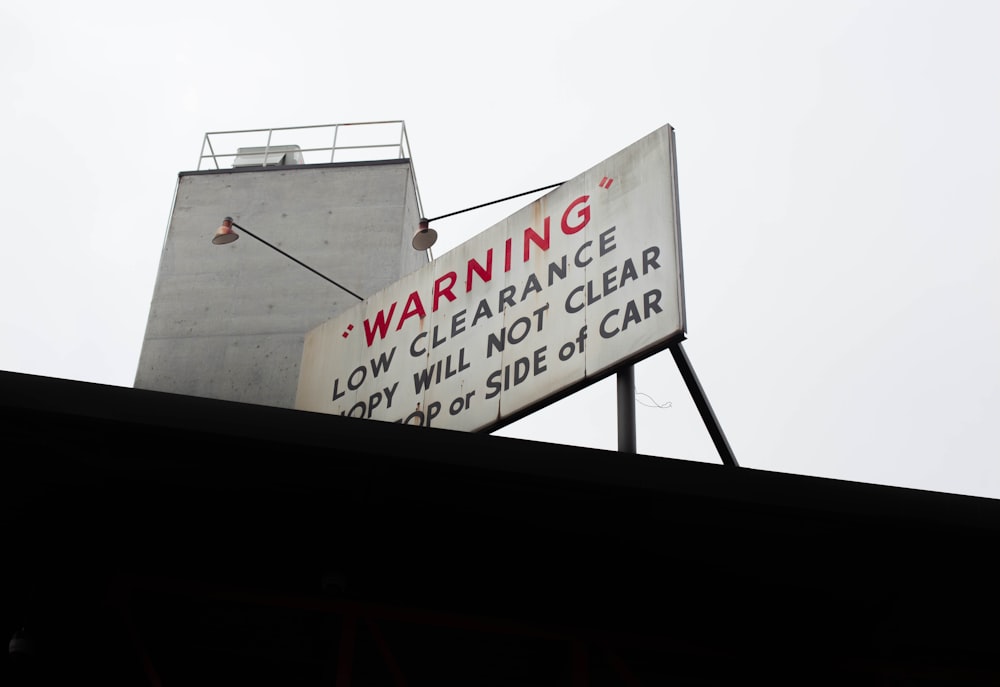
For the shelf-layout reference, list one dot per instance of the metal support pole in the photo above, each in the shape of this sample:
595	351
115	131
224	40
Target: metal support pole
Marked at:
701	401
626	410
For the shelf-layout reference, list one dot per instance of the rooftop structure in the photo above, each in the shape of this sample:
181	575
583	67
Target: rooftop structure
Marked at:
229	321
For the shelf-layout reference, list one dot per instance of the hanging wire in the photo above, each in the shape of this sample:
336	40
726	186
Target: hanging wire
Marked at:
652	403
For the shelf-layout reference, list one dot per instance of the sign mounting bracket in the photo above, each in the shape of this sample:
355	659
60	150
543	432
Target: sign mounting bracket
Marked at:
626	407
704	407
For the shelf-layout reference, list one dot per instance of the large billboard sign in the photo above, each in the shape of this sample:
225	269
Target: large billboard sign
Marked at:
558	295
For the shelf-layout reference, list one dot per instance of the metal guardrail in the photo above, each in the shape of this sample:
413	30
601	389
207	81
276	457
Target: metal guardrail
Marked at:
322	143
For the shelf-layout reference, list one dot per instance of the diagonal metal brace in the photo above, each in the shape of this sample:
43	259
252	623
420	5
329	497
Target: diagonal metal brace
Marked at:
701	401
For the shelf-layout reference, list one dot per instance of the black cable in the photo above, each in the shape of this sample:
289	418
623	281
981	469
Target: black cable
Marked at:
340	286
494	202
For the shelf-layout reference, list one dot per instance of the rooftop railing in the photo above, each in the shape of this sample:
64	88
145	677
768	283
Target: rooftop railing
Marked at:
304	145
323	143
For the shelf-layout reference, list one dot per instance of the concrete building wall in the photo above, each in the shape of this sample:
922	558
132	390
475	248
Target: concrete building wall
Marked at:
229	321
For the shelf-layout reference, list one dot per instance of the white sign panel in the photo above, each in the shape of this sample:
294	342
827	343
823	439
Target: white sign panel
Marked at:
556	296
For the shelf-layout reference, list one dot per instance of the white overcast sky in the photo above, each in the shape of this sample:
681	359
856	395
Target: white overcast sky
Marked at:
839	174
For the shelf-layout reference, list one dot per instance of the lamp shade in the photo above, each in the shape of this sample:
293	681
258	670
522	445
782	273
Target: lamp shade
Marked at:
225	233
424	237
